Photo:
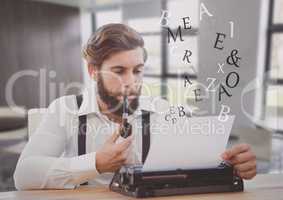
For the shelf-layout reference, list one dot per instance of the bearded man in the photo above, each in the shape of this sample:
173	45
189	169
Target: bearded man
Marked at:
53	159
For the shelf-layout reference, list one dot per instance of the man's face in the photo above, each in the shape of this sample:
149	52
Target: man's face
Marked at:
121	74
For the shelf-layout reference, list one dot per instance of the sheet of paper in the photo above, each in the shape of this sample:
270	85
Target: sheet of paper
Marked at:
190	143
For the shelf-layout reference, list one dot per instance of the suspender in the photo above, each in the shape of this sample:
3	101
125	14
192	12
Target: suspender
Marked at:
82	132
145	134
82	129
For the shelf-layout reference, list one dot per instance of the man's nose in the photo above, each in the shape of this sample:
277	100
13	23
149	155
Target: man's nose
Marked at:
129	80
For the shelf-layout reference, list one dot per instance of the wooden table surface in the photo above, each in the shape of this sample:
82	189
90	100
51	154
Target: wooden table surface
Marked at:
263	186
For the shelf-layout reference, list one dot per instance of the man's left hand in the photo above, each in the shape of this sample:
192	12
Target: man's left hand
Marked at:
243	160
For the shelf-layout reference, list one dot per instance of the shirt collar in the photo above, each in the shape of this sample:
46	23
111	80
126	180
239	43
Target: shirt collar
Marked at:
89	104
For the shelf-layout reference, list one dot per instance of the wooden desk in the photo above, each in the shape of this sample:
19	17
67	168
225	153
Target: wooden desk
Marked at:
264	186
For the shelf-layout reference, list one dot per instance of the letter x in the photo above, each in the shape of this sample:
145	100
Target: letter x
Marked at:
220	68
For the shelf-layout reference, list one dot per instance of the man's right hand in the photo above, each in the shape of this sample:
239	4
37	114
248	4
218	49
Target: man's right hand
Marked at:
112	156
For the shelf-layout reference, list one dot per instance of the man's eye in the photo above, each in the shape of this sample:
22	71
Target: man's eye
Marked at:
118	72
138	71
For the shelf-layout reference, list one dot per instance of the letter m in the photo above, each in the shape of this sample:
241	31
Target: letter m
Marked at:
175	37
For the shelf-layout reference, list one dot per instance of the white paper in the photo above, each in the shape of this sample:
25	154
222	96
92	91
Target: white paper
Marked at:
190	143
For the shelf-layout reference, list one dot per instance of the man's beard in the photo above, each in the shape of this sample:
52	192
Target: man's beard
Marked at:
115	106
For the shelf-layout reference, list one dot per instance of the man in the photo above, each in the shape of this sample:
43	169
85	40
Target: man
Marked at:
115	55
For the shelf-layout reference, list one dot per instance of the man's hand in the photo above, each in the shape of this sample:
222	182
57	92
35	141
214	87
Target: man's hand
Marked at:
112	156
243	160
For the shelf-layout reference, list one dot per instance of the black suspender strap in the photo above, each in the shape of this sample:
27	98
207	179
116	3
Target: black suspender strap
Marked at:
145	134
82	130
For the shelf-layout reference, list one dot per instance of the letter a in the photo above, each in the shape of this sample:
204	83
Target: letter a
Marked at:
203	10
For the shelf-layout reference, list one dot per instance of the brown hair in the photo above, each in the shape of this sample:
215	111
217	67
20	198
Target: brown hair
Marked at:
110	39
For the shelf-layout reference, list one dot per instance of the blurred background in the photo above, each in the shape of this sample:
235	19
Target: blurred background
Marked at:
41	59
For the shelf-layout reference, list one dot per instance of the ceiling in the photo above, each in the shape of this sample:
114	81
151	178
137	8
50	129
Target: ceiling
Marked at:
92	4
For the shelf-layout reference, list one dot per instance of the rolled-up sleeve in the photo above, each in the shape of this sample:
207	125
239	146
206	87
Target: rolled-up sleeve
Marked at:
42	164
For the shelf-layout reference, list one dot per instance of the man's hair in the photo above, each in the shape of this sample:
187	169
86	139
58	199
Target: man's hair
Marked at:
110	39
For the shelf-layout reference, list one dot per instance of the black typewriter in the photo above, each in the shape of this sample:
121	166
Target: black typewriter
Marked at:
132	181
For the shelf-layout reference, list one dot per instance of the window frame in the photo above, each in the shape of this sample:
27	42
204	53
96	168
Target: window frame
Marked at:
272	29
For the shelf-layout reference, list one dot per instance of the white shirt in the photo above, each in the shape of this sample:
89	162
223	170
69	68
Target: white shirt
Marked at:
50	160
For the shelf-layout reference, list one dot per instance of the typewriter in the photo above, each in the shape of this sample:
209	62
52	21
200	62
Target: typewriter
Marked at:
132	181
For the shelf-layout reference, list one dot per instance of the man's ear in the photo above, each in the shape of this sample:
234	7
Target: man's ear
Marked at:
92	71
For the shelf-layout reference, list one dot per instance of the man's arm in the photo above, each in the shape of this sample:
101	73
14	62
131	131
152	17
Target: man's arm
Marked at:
41	165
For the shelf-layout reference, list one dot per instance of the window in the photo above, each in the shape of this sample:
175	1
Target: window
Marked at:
145	25
149	28
153	63
176	66
278	14
183	8
108	16
165	65
176	93
274	96
277	56
176	53
274	61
